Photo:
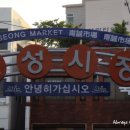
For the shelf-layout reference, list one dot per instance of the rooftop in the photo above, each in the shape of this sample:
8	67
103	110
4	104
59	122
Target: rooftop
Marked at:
73	5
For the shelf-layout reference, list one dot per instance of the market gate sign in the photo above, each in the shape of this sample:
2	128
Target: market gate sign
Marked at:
79	61
34	61
28	34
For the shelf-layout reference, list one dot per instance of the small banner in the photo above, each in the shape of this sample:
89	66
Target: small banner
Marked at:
56	89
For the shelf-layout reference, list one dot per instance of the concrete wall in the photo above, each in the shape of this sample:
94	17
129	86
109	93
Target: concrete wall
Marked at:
5	16
11	20
104	13
100	14
20	24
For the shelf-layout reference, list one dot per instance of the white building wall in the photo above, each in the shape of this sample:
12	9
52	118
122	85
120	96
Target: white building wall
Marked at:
17	20
102	14
5	16
8	19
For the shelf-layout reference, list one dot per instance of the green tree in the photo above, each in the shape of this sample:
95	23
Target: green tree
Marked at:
120	28
56	42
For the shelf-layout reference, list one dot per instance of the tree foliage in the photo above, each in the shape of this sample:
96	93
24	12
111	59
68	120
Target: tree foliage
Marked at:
56	42
120	28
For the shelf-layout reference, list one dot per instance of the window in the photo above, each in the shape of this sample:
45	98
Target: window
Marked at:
3	46
115	93
70	18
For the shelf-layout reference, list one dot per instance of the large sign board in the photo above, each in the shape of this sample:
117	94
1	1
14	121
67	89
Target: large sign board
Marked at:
29	34
56	89
79	61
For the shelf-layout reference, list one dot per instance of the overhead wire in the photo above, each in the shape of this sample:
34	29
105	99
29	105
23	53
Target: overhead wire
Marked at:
127	4
6	22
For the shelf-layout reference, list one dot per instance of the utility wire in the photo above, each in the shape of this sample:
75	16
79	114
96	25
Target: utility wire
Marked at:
4	22
127	4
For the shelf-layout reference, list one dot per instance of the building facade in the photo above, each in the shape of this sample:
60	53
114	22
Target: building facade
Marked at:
89	113
85	112
99	14
75	14
81	112
10	20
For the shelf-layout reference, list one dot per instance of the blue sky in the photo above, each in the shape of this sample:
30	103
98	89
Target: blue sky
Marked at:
36	10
